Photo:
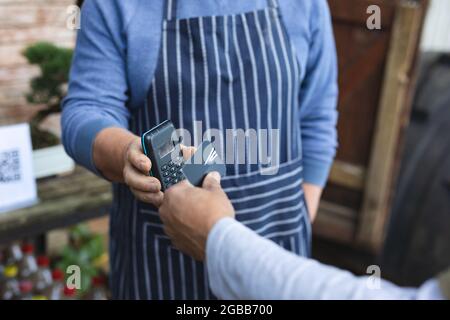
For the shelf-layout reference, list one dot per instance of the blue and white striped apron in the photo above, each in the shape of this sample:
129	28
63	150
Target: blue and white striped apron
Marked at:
230	72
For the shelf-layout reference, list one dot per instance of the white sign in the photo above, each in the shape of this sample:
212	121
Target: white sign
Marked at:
17	183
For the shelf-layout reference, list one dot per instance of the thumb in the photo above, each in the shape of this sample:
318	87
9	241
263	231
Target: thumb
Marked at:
187	151
212	181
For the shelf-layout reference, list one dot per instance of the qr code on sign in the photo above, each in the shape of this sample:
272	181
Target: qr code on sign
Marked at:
10	170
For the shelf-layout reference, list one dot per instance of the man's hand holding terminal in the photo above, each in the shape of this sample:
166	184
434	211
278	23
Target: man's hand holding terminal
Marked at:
119	157
189	213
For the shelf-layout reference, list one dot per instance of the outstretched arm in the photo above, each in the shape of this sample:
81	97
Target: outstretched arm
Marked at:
243	265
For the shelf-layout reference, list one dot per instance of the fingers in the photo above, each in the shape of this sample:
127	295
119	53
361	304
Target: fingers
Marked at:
138	181
135	174
155	199
138	159
174	196
178	190
187	151
212	181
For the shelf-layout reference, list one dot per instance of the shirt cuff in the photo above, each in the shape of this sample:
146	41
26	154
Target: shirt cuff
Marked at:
214	248
216	237
83	143
316	172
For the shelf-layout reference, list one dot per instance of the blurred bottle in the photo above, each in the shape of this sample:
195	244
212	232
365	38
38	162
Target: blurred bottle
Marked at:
97	291
26	290
10	286
69	294
43	277
55	291
28	266
12	255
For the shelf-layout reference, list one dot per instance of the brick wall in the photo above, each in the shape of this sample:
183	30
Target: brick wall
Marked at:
24	22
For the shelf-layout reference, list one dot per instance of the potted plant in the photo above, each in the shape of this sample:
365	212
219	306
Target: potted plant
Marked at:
48	89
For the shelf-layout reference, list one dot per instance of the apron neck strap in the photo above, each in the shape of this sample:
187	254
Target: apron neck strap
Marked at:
272	3
170	9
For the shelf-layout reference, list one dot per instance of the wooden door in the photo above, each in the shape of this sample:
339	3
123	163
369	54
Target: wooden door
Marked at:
375	79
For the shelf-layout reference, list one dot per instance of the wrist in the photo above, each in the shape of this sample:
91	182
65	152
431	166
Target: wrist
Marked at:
312	197
214	219
211	222
109	150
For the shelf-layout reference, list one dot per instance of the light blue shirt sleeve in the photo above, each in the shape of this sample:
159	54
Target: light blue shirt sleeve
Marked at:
318	98
243	265
98	85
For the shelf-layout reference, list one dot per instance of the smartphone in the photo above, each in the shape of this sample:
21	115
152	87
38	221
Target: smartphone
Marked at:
204	161
162	145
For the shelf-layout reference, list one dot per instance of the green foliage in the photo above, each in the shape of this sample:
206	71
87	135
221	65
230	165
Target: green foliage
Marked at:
84	249
47	88
54	63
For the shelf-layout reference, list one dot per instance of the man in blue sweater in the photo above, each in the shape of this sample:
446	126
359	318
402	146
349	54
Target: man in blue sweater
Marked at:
262	65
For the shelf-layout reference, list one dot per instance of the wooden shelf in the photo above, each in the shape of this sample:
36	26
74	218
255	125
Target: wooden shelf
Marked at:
64	201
